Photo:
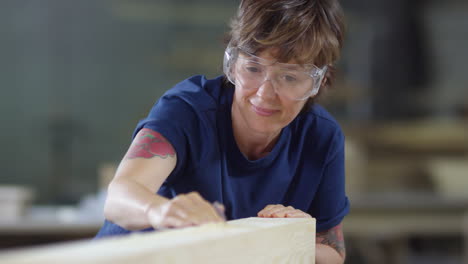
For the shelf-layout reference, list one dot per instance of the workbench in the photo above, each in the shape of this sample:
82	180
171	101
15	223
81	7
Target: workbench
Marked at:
46	224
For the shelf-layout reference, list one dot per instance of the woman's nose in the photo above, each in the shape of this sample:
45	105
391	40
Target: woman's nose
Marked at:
266	90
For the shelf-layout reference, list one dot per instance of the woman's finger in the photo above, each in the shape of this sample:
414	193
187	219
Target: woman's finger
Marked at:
298	214
220	210
178	222
282	212
269	209
273	208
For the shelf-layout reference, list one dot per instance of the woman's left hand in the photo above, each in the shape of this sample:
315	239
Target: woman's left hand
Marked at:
280	211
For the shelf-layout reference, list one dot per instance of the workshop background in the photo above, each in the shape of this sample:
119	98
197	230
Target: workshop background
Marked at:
76	76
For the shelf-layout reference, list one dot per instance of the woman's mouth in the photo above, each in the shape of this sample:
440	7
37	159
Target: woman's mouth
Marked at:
263	111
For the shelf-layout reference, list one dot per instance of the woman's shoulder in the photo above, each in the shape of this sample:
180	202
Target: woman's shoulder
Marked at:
320	119
318	128
198	92
192	103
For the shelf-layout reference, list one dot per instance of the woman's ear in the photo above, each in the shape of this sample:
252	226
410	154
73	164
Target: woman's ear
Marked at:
234	70
328	75
324	82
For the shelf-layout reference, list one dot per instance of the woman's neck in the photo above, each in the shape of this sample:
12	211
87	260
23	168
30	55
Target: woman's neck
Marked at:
252	144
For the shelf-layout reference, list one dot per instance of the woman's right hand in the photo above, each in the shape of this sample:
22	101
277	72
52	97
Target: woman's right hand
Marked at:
182	211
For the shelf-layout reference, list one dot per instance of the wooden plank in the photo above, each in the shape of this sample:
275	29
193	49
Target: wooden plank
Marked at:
249	240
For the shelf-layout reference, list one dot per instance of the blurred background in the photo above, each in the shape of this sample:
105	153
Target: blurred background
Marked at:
76	76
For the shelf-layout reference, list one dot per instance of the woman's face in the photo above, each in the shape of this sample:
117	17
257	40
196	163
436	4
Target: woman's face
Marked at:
261	109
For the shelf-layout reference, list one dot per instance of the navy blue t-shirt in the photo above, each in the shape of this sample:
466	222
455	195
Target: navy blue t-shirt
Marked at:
305	169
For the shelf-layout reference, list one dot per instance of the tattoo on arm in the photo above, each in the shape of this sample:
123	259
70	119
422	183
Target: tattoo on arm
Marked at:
334	238
148	144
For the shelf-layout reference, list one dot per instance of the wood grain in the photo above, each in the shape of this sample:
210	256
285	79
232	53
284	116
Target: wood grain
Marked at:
249	240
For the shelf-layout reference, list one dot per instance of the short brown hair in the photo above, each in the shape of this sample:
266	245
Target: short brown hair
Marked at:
307	31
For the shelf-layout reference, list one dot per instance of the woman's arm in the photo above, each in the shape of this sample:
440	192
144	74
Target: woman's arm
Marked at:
148	162
132	202
330	246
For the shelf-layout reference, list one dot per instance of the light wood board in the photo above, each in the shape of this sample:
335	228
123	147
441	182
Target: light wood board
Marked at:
249	240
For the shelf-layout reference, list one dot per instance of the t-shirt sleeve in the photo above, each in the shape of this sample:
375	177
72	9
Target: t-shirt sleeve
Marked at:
171	117
330	203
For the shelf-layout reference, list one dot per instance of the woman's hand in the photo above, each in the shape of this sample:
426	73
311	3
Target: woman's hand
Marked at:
182	211
280	211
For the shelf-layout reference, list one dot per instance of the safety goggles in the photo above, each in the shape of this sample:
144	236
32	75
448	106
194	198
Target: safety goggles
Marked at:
294	81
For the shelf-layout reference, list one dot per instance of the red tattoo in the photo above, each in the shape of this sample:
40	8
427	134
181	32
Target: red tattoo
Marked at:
148	144
334	238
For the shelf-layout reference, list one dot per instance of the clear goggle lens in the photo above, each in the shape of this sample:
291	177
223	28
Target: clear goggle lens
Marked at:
294	81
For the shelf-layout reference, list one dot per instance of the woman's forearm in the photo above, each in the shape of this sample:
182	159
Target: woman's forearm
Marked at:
327	255
127	203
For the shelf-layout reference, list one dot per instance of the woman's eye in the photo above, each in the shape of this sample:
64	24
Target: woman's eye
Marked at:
253	69
289	78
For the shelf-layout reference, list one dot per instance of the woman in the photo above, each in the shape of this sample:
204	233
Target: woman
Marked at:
253	139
